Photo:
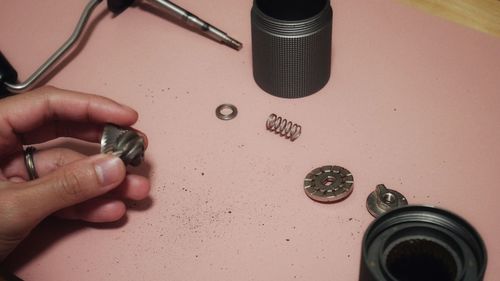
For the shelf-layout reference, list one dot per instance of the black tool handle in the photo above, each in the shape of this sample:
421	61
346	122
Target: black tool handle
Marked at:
118	6
7	75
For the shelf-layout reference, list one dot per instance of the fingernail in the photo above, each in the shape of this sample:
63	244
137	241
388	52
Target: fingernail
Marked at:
109	170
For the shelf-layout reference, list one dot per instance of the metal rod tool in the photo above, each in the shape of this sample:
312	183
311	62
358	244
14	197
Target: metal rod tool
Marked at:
197	22
8	75
41	71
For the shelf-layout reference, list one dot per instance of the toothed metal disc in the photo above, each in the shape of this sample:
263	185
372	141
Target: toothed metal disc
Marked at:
328	184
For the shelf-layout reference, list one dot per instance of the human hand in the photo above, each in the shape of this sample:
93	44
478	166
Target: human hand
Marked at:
70	185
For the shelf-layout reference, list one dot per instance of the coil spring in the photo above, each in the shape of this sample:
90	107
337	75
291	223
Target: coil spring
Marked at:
283	127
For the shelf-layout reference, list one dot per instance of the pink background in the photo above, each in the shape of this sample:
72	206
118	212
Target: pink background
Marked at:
413	103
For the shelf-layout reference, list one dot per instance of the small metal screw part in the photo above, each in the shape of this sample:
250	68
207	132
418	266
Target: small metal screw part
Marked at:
383	200
221	113
124	143
328	184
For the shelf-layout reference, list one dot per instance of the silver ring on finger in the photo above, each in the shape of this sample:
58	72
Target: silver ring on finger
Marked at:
30	163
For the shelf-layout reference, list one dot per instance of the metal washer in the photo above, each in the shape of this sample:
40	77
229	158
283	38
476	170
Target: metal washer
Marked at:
328	184
219	111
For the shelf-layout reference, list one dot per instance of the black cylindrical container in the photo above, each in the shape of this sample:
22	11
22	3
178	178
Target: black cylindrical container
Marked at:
291	46
422	243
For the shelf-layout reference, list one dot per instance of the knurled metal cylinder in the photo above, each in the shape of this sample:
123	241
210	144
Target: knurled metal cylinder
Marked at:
291	46
416	243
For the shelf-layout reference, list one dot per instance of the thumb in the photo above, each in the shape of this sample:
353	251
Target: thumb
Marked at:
74	183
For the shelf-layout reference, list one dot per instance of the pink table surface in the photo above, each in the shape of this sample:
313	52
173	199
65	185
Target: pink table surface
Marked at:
413	102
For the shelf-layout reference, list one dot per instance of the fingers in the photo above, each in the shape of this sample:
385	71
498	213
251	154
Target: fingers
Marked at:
84	131
46	161
49	108
73	184
134	187
110	208
98	209
55	129
95	210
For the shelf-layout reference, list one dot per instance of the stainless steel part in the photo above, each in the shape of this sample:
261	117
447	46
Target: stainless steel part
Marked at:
221	113
200	24
124	143
291	46
328	184
41	71
383	200
283	127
